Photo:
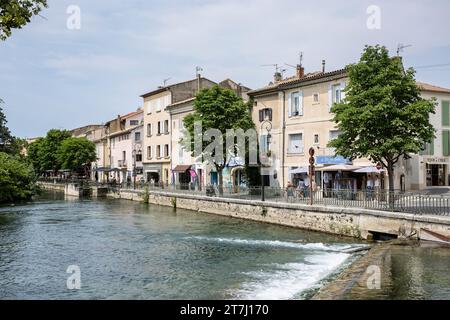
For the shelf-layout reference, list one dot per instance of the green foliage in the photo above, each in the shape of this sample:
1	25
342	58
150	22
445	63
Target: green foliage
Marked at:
43	153
7	141
17	179
217	108
14	14
383	116
76	153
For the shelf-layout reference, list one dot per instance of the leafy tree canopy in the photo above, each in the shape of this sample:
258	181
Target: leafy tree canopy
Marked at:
76	153
217	108
383	116
14	14
17	179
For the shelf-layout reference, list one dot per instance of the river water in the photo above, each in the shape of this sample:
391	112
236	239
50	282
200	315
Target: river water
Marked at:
129	250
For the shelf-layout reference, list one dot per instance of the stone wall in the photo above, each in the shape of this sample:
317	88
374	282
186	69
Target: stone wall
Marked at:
353	222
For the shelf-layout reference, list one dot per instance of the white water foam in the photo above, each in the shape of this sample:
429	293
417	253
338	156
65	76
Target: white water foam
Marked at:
290	279
283	244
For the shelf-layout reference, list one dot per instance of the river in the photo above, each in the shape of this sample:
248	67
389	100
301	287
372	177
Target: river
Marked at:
129	250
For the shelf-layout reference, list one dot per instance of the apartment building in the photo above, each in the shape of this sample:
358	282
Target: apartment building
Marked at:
187	169
298	110
157	165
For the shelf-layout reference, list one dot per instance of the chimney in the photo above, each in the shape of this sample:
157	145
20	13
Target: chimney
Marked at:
323	66
277	76
300	71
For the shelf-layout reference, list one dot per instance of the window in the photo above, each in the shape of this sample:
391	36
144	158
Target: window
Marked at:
337	93
445	113
137	136
316	98
149	152
159	127
265	143
149	107
158	151
134	122
265	114
296	105
158	104
124	155
316	139
334	134
149	130
166	150
166	126
138	157
296	143
428	149
445	143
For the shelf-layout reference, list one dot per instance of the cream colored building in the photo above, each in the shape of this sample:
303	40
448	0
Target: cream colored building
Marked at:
158	143
187	169
298	109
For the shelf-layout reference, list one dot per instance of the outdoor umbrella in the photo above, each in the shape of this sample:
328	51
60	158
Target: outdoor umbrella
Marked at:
368	170
299	170
339	167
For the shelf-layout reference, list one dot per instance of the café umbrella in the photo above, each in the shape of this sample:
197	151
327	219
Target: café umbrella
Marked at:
368	170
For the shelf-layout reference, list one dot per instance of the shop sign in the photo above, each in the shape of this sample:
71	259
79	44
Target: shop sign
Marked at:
332	160
437	160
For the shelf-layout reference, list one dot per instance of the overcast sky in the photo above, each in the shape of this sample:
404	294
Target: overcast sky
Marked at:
55	77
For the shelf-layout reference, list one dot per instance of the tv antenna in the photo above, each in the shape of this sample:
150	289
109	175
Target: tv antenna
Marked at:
165	81
198	70
402	46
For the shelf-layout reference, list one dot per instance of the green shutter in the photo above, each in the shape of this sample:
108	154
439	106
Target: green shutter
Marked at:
445	140
432	148
445	113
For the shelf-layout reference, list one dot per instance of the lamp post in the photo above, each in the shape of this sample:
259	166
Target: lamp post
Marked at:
311	174
267	125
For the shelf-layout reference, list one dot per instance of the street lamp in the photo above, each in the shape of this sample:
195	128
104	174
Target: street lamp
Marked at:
267	125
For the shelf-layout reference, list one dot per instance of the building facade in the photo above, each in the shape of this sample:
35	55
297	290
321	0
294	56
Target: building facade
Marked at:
298	109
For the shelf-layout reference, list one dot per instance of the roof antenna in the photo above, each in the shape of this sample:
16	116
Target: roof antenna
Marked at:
198	70
402	46
165	81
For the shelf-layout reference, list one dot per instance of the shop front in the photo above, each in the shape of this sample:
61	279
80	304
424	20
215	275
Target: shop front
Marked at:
152	173
436	171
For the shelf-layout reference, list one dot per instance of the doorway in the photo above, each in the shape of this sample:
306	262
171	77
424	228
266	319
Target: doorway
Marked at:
436	175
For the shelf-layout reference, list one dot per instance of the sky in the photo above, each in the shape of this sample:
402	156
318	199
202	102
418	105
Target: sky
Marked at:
55	76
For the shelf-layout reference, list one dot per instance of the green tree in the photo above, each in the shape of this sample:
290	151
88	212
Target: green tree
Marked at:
6	139
77	154
43	153
382	116
221	109
14	14
17	179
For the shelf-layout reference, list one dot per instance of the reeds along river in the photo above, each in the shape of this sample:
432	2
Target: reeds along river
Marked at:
130	250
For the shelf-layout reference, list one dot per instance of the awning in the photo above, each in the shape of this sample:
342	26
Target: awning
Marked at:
339	167
181	168
368	170
299	170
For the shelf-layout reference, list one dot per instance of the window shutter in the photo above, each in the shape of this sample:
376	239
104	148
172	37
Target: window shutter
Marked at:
161	151
343	85
330	97
445	140
432	148
445	113
290	105
300	102
270	114
261	115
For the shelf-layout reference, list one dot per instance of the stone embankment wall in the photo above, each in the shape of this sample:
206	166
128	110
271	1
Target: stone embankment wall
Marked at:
352	222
